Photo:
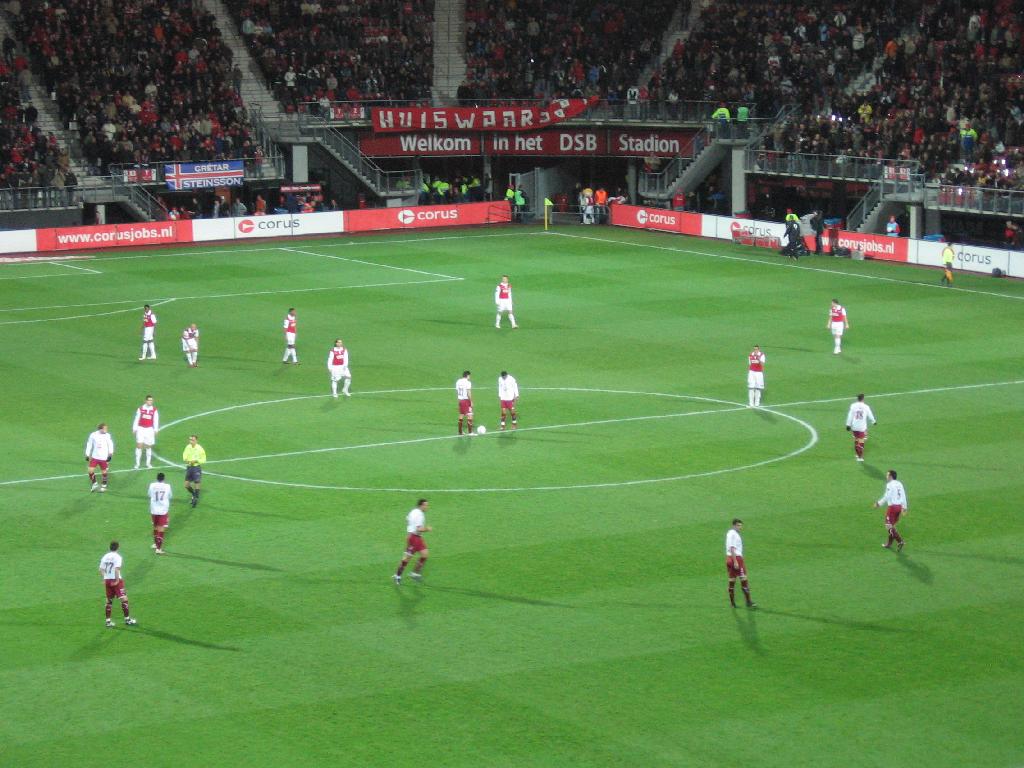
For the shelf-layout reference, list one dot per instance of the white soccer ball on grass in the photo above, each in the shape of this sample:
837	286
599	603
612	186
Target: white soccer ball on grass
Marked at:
481	430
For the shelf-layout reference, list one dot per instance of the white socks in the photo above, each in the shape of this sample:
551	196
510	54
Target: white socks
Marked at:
151	347
839	345
511	319
345	386
149	457
754	397
138	455
290	352
334	387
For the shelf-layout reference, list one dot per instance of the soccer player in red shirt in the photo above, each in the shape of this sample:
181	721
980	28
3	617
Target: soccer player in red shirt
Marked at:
289	337
734	563
148	331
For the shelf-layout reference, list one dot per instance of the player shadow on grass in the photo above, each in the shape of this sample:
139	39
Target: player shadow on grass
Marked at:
917	569
868	626
173	638
874	471
498	596
997	559
408	602
746	624
229	563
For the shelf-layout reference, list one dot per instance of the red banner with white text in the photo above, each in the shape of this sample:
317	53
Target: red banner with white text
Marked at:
424	216
526	118
108	235
874	246
660	219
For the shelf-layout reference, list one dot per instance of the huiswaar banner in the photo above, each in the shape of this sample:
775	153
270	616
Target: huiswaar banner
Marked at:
405	119
219	173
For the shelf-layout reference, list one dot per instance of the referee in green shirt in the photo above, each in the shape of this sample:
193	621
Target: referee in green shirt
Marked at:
194	457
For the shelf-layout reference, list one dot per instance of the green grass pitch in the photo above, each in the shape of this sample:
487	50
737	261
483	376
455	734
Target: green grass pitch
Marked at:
574	610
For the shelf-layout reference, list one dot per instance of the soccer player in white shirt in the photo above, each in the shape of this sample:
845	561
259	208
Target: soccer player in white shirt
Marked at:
159	509
895	502
99	452
503	301
415	527
190	345
148	331
734	563
145	426
837	323
508	395
755	376
857	422
464	394
289	337
113	583
337	365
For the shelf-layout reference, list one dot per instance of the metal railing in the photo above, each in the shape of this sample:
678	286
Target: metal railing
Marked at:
256	169
861	210
381	181
846	167
39	198
688	112
658	184
137	196
1001	202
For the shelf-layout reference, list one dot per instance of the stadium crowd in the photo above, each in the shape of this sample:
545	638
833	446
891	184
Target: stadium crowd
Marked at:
340	50
142	80
524	49
937	81
28	157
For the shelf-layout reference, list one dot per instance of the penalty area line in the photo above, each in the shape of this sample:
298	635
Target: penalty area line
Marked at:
803	267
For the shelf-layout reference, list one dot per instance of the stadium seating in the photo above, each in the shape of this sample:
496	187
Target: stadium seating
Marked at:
887	80
143	80
340	50
28	158
538	49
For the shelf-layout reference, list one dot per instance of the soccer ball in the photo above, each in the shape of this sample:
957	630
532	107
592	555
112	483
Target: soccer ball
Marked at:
481	430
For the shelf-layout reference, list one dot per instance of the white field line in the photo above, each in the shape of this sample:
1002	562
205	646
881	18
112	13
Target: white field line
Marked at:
320	244
158	302
930	390
73	266
55	274
136	308
786	265
369	263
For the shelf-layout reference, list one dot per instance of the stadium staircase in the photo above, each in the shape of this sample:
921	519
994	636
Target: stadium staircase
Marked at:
684	173
49	120
384	184
679	27
254	91
449	49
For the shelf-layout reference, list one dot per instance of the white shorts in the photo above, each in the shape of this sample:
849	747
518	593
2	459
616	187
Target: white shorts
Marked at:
145	436
504	305
339	372
189	346
147	332
755	379
289	338
838	328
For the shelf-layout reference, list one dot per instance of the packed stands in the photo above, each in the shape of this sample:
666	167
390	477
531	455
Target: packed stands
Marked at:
937	81
28	158
538	49
340	50
142	80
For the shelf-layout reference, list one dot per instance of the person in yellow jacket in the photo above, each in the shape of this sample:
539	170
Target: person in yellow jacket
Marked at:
194	457
948	254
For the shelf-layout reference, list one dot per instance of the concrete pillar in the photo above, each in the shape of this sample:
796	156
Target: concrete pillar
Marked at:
738	179
916	221
631	180
300	164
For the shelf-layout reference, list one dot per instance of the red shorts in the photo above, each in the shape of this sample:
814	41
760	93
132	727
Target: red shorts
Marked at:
114	587
159	520
508	405
102	464
735	572
892	514
465	407
414	544
861	435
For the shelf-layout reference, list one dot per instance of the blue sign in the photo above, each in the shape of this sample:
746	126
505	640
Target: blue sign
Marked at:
217	173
